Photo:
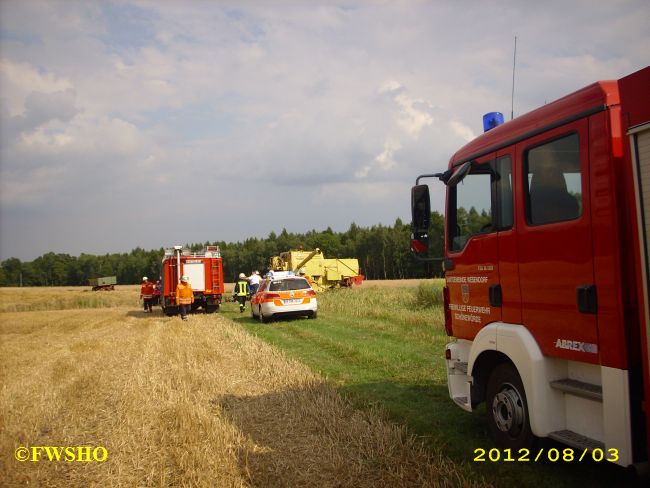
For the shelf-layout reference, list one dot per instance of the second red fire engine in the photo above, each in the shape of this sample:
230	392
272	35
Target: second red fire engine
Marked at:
205	272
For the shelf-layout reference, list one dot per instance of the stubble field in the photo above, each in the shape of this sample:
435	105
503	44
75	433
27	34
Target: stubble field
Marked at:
197	403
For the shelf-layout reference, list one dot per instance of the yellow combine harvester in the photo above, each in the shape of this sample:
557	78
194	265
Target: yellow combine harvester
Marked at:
322	272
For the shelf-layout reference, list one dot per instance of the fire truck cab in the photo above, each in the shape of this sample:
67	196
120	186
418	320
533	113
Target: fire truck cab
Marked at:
546	279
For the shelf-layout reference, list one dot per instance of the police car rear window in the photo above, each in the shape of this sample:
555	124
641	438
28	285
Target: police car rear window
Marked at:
288	285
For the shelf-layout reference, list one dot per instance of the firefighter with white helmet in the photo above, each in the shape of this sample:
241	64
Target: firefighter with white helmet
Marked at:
184	296
146	294
241	291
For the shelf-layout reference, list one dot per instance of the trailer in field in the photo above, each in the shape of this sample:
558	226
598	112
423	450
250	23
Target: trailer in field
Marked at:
107	283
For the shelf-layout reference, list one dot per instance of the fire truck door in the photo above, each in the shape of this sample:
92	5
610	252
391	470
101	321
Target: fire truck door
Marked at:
472	268
556	270
504	215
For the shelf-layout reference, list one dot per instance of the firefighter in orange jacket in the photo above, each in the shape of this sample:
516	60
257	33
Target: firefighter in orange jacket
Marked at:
146	293
184	296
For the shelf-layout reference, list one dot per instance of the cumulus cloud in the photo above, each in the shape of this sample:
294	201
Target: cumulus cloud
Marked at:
20	79
390	86
415	115
462	130
386	158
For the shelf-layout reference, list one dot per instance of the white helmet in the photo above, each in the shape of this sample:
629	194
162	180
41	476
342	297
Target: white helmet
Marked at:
242	275
144	278
185	278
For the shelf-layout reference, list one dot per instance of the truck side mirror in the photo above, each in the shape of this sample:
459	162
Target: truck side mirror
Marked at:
421	215
459	173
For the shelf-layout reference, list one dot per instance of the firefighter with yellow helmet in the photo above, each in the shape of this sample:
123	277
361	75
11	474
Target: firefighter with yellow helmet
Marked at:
241	291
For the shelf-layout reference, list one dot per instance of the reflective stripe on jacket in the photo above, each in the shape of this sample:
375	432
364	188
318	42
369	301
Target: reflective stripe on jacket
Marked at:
184	294
241	288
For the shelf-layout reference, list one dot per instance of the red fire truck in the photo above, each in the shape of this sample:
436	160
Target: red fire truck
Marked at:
546	271
205	272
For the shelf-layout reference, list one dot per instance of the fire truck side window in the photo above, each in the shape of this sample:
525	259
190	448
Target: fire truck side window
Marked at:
553	181
471	206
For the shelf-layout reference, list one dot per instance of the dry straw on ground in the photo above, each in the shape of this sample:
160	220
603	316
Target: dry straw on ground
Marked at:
197	403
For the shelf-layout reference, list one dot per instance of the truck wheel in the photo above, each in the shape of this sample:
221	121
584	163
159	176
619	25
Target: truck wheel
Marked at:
507	409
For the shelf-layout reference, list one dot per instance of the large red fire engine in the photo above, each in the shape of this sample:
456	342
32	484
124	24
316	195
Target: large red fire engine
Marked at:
205	272
546	271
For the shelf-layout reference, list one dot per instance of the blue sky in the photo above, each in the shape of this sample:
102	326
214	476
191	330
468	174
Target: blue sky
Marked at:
153	123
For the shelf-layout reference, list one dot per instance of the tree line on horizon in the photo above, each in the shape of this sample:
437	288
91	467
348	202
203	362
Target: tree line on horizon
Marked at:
383	253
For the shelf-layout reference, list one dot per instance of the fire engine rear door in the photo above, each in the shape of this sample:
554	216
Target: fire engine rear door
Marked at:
195	271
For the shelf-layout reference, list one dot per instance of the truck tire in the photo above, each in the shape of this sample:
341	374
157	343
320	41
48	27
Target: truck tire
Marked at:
211	308
507	409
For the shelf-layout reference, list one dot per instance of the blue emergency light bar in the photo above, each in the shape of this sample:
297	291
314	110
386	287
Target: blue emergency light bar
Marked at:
492	120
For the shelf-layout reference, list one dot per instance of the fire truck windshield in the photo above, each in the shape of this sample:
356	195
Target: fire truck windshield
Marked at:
472	201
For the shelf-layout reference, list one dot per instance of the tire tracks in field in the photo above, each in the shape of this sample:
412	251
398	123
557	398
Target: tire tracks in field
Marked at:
339	350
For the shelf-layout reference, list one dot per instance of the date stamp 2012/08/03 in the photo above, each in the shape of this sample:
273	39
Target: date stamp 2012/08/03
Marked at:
567	455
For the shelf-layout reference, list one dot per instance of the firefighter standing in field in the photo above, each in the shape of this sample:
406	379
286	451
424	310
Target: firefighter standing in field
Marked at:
184	296
146	294
240	292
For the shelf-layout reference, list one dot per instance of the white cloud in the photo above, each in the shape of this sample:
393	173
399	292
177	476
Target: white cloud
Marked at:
462	130
390	86
414	114
386	159
19	79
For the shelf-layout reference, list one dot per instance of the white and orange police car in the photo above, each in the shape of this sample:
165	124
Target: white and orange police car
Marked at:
283	294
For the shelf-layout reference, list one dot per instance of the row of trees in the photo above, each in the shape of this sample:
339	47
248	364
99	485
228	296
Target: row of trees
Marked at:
383	253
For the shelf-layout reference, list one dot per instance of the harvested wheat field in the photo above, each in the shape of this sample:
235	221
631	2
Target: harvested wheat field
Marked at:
197	403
